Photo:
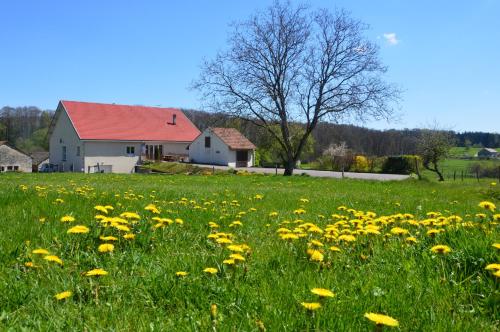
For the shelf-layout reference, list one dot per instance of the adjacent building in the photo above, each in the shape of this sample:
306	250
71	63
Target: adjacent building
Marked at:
11	159
487	153
94	137
222	146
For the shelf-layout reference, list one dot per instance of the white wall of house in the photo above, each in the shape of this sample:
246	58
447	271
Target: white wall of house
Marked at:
175	148
217	153
65	137
13	160
231	158
114	154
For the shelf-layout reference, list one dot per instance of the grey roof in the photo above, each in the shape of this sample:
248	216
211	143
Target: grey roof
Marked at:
39	157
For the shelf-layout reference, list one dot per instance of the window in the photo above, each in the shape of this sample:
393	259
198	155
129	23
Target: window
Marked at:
2	169
16	168
9	168
207	141
63	153
131	150
77	151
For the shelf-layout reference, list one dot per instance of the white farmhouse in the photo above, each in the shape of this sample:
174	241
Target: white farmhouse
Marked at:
92	137
222	146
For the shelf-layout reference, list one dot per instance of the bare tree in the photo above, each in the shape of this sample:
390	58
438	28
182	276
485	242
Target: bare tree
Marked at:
433	147
292	64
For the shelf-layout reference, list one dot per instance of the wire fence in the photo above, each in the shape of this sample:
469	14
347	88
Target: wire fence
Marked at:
461	174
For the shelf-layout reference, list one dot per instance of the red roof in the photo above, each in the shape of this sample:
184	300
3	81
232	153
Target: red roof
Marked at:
233	138
93	121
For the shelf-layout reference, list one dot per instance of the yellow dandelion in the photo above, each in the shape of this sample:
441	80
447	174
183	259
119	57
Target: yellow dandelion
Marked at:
496	245
53	258
67	219
235	248
334	248
411	239
380	319
31	265
311	306
229	261
441	249
96	273
181	274
101	208
40	251
322	292
487	205
493	267
108	238
316	256
79	229
106	247
129	236
63	295
210	270
237	257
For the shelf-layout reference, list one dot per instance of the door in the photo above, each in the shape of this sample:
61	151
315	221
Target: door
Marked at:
241	158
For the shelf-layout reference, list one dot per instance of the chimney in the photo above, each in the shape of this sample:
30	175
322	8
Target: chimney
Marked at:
174	119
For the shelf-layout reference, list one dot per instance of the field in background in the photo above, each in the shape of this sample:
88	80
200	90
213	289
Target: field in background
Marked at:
384	263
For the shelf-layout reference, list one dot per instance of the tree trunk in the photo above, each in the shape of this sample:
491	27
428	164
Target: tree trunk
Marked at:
289	167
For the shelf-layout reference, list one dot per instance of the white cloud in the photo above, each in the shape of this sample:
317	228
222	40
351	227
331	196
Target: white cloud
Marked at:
391	38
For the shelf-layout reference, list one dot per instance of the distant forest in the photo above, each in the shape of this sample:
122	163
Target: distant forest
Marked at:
26	128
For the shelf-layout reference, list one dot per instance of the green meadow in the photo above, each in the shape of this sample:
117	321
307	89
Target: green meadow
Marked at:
269	240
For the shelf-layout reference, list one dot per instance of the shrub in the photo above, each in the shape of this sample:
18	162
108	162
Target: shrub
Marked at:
484	170
405	164
361	164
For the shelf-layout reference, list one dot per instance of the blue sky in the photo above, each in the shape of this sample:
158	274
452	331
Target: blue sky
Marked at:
445	55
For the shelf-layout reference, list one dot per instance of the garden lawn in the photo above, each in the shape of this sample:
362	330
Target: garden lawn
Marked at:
269	240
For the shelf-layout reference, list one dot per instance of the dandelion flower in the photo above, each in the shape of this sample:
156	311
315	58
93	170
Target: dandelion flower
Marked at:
316	256
441	249
129	236
411	239
235	248
237	257
40	251
210	270
496	245
53	258
31	265
334	248
493	267
311	306
229	261
181	274
101	208
79	229
67	219
63	295
108	238
106	247
322	292
96	273
487	205
382	319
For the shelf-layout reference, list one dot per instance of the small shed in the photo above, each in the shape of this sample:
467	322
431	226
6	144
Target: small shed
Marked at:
487	153
39	159
222	146
11	159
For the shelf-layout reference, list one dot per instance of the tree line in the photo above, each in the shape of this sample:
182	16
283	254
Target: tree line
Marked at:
26	128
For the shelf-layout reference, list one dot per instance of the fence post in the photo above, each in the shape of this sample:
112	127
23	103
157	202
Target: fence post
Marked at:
213	169
454	175
499	174
276	169
462	174
477	175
